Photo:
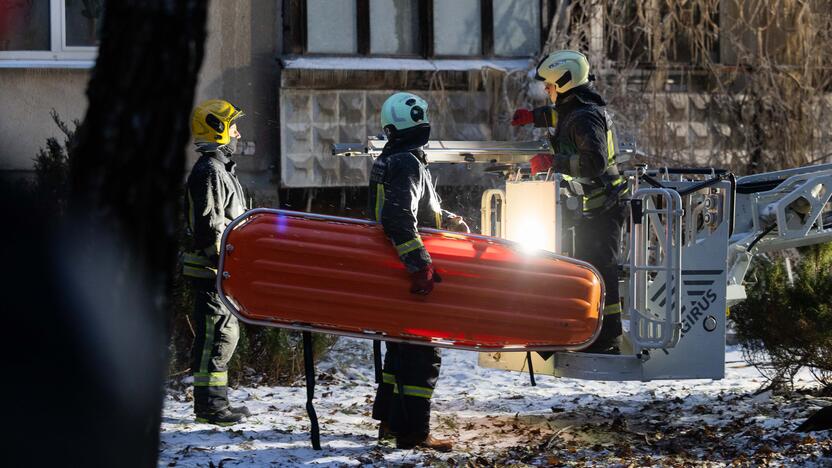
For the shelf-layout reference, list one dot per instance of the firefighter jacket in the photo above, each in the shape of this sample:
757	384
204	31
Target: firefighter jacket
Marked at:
402	197
584	145
214	198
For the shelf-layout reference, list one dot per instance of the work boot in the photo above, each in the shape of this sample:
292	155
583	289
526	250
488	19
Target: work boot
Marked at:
607	341
223	417
385	432
243	410
423	441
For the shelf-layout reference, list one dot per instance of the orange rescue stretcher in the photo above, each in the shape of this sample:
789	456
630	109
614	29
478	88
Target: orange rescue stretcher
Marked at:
342	276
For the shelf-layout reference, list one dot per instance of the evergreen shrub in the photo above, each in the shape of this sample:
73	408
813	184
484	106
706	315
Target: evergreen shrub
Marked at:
787	326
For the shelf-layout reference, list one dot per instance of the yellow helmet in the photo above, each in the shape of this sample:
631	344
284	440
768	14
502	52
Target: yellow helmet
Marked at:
212	119
565	68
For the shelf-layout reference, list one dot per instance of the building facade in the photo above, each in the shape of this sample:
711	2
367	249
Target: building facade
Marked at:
310	73
48	49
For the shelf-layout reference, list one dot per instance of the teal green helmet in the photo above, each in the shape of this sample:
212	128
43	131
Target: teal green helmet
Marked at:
403	111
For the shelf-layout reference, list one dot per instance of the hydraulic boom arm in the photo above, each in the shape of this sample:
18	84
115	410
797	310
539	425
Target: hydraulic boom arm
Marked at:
453	151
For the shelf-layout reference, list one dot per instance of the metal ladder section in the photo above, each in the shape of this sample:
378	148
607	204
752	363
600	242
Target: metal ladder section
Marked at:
794	212
454	151
810	193
655	253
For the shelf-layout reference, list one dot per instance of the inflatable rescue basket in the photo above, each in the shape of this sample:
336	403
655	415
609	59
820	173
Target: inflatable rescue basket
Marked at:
342	276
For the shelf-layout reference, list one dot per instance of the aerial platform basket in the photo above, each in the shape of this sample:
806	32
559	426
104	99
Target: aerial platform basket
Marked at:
342	276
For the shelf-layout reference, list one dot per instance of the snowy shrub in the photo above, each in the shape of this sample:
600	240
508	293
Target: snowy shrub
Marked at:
51	185
263	356
785	327
273	356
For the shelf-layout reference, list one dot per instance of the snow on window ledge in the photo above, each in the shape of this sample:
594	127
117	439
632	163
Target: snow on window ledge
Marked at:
388	63
61	64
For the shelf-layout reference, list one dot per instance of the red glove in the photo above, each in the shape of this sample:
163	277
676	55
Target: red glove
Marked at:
522	117
541	162
421	282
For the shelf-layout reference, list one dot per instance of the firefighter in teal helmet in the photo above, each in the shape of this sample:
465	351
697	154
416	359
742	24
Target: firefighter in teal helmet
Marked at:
583	148
402	198
214	197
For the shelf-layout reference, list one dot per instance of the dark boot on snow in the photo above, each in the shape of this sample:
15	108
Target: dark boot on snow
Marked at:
385	433
243	410
423	441
223	417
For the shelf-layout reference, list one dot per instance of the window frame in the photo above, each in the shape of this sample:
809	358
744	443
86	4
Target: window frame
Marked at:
59	53
295	38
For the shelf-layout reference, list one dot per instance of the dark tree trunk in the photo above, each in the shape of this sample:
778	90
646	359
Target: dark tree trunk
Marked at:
126	170
85	298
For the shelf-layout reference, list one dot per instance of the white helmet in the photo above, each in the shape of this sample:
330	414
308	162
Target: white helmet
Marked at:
403	111
565	69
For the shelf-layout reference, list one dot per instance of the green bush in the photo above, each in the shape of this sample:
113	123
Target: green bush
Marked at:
787	327
274	355
264	355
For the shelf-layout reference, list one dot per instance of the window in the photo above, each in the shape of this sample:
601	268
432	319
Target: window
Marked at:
24	26
516	27
427	28
82	22
394	27
457	27
331	26
40	30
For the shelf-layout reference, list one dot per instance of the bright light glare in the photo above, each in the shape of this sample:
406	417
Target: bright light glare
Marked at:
532	236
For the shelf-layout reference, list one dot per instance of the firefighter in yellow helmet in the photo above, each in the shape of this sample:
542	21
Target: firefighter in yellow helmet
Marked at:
214	198
584	148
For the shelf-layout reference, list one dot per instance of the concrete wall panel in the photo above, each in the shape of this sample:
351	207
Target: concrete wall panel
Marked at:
26	98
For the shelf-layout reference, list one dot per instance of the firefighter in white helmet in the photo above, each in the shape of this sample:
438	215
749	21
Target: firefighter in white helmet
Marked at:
584	149
402	198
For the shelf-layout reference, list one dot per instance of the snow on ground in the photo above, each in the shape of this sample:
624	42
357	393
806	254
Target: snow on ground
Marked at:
497	418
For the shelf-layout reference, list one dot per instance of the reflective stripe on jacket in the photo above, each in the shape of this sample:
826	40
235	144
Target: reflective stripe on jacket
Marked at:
402	197
584	144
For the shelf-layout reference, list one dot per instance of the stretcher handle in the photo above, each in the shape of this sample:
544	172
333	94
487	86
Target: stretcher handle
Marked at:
309	368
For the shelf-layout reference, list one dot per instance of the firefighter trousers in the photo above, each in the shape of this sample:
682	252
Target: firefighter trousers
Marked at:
409	374
597	239
217	332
